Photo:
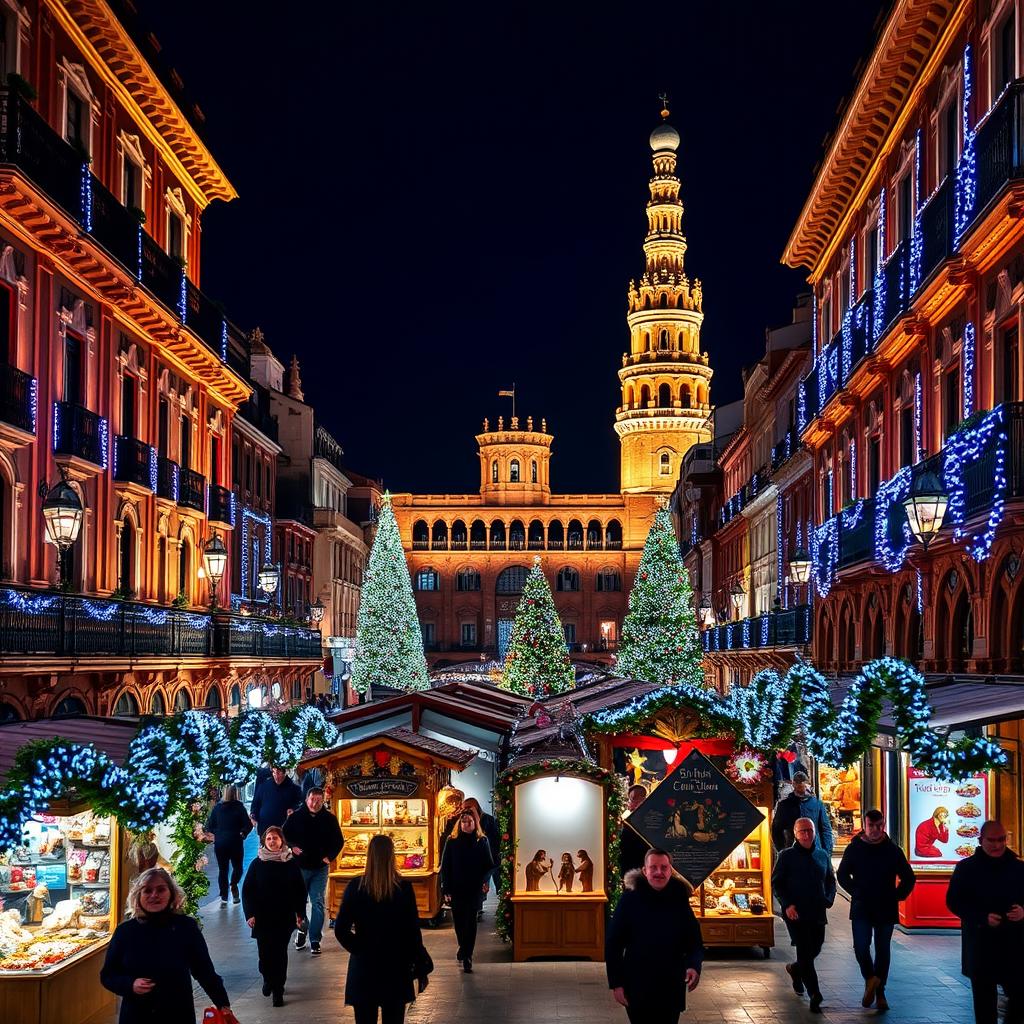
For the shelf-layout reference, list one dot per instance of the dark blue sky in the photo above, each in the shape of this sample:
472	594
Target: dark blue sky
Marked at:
439	200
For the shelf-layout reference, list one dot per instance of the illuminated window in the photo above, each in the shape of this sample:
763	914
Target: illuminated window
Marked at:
494	471
428	579
533	471
513	471
568	579
665	465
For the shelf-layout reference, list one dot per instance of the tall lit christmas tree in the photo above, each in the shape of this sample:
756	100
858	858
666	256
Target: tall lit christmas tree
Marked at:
660	639
389	644
537	663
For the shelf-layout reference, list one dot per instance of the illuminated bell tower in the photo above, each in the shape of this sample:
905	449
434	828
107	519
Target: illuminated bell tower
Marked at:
665	378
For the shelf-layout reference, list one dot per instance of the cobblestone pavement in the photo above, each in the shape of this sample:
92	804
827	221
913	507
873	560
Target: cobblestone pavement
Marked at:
737	987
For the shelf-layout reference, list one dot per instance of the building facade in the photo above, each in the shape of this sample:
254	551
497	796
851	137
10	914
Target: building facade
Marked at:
915	252
116	372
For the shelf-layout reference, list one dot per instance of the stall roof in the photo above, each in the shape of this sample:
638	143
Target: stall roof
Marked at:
112	736
452	757
957	702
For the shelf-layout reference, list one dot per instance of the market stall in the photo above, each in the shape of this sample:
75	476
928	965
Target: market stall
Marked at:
388	784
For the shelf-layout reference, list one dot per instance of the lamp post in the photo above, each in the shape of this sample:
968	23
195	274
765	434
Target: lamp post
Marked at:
707	613
268	577
926	507
215	560
62	516
737	594
800	566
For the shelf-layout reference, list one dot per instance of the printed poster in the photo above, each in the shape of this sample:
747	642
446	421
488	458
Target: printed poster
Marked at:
945	819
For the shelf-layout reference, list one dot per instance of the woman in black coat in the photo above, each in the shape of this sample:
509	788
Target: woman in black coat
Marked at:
379	925
154	955
226	827
274	904
465	867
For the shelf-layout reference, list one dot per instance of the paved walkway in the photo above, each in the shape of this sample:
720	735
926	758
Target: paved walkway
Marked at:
736	987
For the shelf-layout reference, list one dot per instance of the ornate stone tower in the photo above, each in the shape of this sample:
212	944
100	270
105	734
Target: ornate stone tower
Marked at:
515	464
665	378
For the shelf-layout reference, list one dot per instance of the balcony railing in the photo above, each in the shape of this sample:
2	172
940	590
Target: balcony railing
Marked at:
459	543
997	152
167	479
18	393
786	448
790	627
421	545
439	544
134	462
79	433
936	243
243	636
59	171
221	505
192	490
857	533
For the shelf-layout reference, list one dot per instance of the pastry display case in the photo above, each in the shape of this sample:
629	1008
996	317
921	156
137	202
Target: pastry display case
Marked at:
388	784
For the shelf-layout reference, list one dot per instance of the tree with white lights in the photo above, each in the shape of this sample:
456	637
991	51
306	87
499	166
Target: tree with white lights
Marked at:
660	638
537	662
389	644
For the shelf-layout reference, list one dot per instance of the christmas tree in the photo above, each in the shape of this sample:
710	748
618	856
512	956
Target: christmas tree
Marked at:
660	639
389	645
537	663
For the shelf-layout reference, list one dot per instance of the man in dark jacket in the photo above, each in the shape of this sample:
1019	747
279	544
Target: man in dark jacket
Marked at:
315	837
801	803
632	845
653	950
274	800
987	893
805	886
870	865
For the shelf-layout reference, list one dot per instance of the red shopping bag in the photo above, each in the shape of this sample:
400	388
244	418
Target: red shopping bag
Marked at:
213	1015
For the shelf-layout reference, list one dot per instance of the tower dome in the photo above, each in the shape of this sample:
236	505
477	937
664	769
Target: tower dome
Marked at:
664	137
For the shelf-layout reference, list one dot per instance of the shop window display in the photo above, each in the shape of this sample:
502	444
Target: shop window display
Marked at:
405	821
58	892
840	793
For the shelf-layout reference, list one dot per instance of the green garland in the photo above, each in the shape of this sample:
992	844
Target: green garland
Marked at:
191	858
615	787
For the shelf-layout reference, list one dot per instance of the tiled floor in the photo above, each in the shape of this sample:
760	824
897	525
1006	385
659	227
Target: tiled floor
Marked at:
736	987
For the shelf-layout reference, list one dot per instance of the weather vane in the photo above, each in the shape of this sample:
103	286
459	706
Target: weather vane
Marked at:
663	96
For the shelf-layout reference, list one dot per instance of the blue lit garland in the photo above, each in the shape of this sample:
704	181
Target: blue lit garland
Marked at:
779	576
879	283
801	407
968	375
917	236
852	516
85	196
262	519
966	186
917	416
824	554
893	490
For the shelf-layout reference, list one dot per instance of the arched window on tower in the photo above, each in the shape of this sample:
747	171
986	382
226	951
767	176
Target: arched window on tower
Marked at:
664	300
647	341
513	471
684	396
664	396
645	396
533	471
663	340
665	464
494	471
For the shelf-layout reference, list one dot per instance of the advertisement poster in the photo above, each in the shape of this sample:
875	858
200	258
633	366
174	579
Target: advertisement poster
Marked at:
698	816
945	819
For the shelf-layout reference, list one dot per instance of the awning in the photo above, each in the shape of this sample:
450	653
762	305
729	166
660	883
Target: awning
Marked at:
112	736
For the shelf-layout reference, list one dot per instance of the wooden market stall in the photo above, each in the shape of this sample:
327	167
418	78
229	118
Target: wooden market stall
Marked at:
63	889
388	784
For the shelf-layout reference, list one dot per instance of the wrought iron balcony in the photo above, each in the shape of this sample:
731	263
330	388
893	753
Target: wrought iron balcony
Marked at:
997	154
167	479
192	490
18	393
79	433
134	462
790	627
936	242
221	505
421	545
244	636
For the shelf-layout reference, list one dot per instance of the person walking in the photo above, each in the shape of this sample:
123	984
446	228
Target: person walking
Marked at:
465	866
875	872
632	846
805	886
315	837
274	799
489	827
379	925
154	955
274	905
653	949
227	825
801	803
987	893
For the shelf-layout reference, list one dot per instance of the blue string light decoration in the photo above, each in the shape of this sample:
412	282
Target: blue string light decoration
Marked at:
183	296
917	236
29	604
968	375
965	191
852	516
249	515
746	632
85	196
779	574
33	401
853	467
963	449
894	490
824	555
801	407
814	331
223	340
878	301
917	416
920	594
764	630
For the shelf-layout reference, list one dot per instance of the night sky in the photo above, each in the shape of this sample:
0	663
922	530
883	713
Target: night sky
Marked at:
438	201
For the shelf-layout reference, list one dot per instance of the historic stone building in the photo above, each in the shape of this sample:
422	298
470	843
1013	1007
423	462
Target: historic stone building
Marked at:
469	553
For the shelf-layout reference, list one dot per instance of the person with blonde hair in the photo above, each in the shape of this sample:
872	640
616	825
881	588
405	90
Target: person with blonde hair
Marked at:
465	865
226	827
378	924
155	953
274	904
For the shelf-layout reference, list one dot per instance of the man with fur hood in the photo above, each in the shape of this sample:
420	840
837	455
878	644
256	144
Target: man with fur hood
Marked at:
653	949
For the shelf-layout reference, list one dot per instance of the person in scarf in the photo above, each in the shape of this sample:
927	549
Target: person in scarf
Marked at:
274	904
154	955
801	803
875	872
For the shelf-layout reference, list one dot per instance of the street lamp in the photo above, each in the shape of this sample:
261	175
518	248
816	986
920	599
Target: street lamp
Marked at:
926	507
737	593
267	577
62	515
800	567
707	613
316	611
215	559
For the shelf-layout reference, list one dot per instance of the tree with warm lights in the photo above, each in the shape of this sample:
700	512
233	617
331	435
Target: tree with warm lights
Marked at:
537	662
389	644
660	639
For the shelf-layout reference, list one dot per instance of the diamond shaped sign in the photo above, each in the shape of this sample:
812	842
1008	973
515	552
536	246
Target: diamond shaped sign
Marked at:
697	816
